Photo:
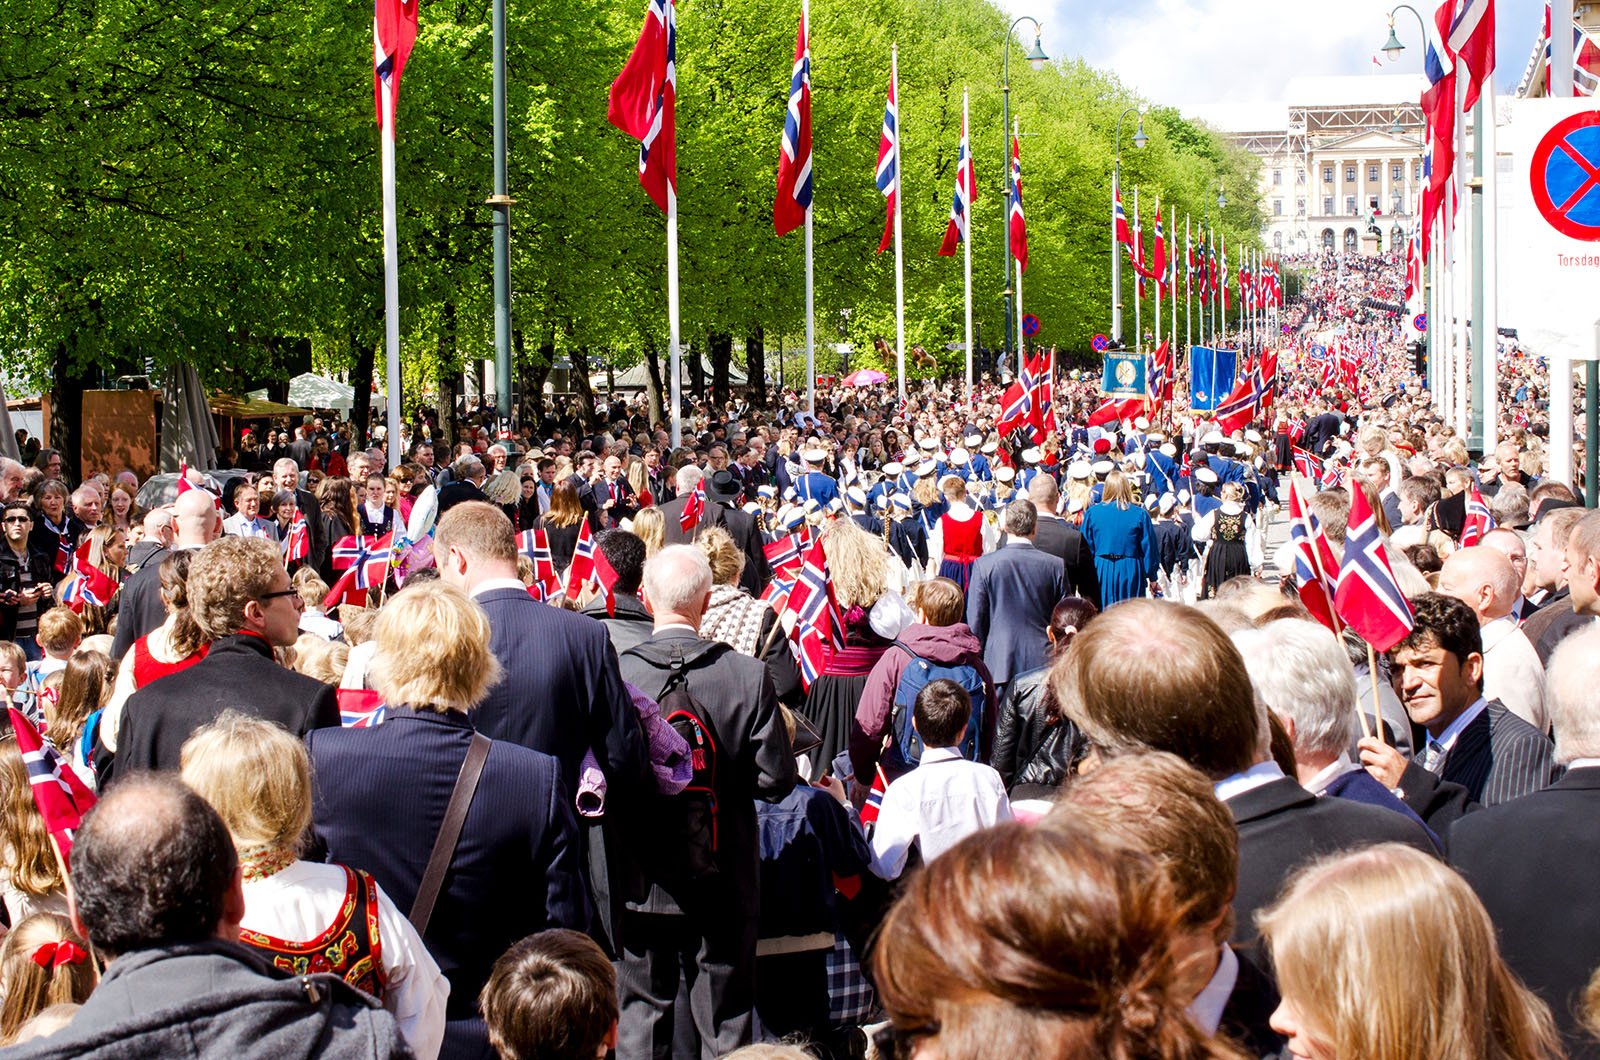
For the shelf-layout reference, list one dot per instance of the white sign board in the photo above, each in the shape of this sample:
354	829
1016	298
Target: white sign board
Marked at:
1549	236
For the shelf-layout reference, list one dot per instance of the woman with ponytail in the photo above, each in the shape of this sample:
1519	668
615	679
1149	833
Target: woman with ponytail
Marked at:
43	962
1046	943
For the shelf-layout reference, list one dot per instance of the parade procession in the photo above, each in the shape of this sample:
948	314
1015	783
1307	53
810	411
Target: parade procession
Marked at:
722	615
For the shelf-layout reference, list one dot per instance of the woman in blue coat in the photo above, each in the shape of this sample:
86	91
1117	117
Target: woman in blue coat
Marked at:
1123	540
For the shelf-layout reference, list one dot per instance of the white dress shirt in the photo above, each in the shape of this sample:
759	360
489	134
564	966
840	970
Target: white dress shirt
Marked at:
1258	775
1211	1002
299	903
1447	739
938	804
1512	672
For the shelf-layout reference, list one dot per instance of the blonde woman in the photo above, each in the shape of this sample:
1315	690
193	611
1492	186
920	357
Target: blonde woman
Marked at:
1386	954
303	915
1123	539
43	962
380	793
30	873
1232	545
651	527
108	553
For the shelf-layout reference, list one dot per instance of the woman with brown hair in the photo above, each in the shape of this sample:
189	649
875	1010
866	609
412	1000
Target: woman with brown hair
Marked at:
1045	943
31	880
1386	954
1123	539
339	518
1035	745
122	507
561	523
73	717
176	644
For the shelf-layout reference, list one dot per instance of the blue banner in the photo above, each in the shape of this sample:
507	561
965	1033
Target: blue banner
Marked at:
1211	376
1123	375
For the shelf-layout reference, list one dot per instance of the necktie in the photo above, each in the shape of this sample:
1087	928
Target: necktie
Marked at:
1433	757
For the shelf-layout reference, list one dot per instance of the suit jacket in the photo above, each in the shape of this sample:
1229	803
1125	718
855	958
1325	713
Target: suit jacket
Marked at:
740	526
1060	538
1497	758
1282	826
593	496
1534	862
140	608
238	673
516	866
1009	600
459	493
627	624
561	693
755	761
1249	1008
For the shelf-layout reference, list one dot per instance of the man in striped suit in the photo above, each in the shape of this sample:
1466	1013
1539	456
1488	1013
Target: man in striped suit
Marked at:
1470	740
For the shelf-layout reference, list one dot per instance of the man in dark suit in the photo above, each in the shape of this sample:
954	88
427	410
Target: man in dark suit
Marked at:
301	448
466	483
240	595
1471	741
1013	591
1533	861
194	525
1148	674
721	489
381	794
606	496
1060	538
700	930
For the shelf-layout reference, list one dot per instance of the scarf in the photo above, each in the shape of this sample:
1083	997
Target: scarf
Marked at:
734	617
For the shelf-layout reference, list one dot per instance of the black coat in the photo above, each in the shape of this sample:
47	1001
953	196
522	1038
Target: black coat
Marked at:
1282	826
741	527
1060	538
1497	758
238	673
380	797
561	692
40	568
1534	862
754	761
1027	749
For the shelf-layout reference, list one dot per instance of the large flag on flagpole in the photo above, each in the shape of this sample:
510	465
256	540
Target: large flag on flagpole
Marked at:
394	32
794	157
889	157
958	229
643	104
1017	224
1472	39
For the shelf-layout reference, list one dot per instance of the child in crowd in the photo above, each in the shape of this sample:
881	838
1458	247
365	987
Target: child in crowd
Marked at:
43	962
60	632
946	797
552	996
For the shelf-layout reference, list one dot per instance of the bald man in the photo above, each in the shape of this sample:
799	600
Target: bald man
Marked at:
195	524
1484	579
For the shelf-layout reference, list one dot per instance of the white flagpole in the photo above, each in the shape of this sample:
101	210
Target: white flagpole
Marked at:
811	332
1172	271
391	283
1463	278
1188	286
1022	344
1486	259
1162	278
966	243
899	254
1138	300
674	348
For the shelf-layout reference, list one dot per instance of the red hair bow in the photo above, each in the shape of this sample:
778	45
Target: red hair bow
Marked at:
53	955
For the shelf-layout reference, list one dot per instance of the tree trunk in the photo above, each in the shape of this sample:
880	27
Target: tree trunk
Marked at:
449	385
755	365
66	412
530	381
653	386
364	354
697	375
581	387
720	346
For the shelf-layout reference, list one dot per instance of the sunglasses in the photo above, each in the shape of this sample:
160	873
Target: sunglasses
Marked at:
16	519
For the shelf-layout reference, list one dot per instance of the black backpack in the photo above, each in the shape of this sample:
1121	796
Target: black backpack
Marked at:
682	829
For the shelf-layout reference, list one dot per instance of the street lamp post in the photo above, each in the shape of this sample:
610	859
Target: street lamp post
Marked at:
1139	140
1037	58
501	202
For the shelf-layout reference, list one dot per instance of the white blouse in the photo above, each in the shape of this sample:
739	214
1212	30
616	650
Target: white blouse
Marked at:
299	903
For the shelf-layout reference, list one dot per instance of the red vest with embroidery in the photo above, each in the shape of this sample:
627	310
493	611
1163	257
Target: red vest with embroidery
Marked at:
350	947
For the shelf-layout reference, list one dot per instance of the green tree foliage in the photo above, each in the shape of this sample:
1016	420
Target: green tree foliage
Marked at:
197	181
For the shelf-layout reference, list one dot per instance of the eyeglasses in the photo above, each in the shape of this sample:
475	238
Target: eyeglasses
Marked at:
293	594
16	519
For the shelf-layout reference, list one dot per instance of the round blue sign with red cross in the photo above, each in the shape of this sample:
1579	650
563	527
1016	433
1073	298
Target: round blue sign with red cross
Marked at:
1420	322
1030	325
1100	343
1565	174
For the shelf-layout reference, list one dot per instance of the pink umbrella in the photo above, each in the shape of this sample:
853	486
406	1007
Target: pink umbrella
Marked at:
864	377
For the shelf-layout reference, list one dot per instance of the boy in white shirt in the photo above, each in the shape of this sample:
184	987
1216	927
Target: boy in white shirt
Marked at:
946	797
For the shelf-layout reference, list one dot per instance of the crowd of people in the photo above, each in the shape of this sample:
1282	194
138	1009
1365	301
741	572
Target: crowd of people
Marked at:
1075	774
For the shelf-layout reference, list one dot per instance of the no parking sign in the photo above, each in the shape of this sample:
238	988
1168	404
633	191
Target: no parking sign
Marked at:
1565	176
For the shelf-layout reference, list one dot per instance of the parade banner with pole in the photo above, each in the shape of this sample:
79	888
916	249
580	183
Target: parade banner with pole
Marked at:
394	32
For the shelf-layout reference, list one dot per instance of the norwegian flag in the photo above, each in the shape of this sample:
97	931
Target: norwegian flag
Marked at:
693	508
889	164
1585	59
1119	222
817	626
582	569
1471	37
1368	597
90	585
1240	407
644	101
783	554
1268	371
1017	224
346	591
966	192
1211	265
360	708
874	803
1158	373
1439	107
777	591
1044	391
348	551
62	798
605	577
297	543
1478	520
1306	463
1158	262
1113	410
535	544
794	158
1316	570
394	31
1223	275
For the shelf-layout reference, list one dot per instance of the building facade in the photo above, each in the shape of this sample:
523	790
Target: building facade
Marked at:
1341	160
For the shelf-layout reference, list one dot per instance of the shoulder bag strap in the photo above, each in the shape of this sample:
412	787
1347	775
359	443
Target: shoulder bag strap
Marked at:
444	846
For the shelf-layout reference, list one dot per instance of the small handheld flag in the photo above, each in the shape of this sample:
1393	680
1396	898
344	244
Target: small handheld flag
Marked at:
62	798
1368	597
693	508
